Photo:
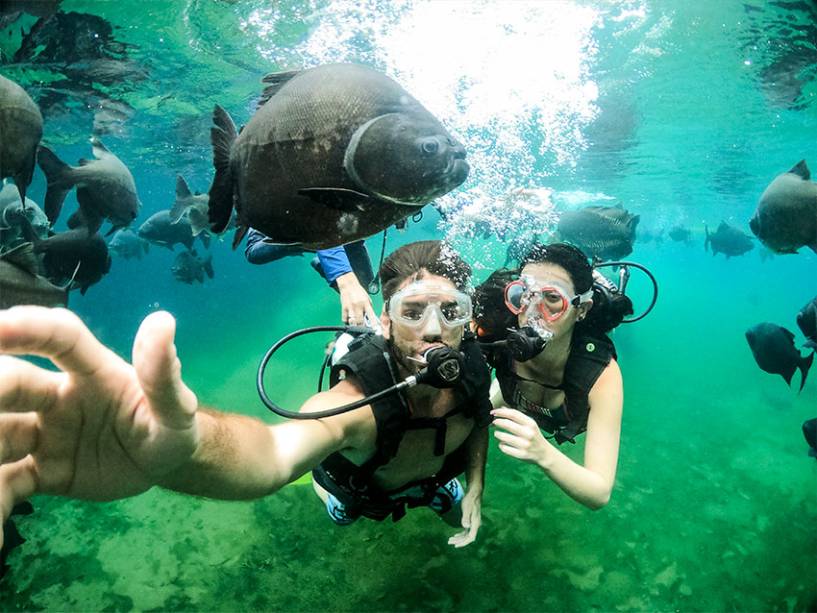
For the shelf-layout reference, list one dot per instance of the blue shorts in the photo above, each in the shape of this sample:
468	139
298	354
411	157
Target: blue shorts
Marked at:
445	498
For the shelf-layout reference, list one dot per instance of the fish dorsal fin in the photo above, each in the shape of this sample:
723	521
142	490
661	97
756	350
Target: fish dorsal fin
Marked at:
789	334
182	190
23	257
183	196
100	150
275	81
801	170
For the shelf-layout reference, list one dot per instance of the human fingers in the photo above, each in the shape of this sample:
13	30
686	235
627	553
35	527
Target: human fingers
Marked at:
57	334
17	483
513	415
512	440
159	372
466	537
18	436
25	387
513	427
513	451
368	311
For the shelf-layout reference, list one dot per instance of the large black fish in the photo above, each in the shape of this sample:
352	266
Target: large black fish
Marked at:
12	211
126	244
333	154
728	240
160	229
21	128
786	216
810	432
105	188
807	321
680	234
21	283
607	232
189	267
76	254
192	206
775	353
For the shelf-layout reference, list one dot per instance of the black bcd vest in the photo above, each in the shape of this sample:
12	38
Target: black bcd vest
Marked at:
370	362
589	356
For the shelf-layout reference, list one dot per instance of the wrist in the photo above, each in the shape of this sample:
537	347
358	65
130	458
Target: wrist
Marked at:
347	280
546	457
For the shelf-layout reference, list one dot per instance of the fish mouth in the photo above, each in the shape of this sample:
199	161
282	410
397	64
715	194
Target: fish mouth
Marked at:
754	226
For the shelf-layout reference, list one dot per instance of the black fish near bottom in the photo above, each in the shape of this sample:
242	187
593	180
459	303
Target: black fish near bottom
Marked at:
810	433
775	353
807	322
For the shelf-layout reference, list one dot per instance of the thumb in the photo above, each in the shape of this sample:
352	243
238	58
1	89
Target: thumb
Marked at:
158	370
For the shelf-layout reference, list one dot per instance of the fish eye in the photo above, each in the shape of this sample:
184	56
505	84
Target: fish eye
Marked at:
430	146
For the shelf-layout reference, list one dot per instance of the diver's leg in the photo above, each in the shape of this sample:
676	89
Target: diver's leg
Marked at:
447	502
360	262
334	507
258	251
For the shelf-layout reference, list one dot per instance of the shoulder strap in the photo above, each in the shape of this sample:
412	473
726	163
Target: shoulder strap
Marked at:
369	361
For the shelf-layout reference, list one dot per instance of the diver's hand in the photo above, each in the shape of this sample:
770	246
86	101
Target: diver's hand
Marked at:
355	301
471	506
101	428
519	436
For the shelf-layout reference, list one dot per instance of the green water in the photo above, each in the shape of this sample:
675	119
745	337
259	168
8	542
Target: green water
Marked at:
682	112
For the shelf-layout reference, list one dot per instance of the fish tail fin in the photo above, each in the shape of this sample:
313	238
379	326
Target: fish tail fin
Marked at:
239	235
707	240
222	136
180	205
805	364
60	181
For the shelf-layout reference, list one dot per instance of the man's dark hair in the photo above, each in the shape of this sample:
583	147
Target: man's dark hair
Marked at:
417	259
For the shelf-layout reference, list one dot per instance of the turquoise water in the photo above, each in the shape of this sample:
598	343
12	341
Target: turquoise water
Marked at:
681	112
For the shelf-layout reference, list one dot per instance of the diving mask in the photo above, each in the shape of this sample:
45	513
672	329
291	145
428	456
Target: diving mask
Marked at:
415	303
550	298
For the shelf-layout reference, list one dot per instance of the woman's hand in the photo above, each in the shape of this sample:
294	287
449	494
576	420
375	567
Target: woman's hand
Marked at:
519	436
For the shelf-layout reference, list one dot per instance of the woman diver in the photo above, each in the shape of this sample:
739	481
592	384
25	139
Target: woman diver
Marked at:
544	330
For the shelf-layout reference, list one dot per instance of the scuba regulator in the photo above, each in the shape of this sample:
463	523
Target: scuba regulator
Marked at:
443	368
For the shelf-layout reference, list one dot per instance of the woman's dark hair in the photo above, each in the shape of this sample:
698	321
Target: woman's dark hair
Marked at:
493	318
571	258
416	259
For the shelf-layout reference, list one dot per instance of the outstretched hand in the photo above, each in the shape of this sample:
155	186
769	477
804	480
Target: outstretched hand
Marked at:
100	429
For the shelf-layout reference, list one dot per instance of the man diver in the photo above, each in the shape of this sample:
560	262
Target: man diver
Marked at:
102	429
